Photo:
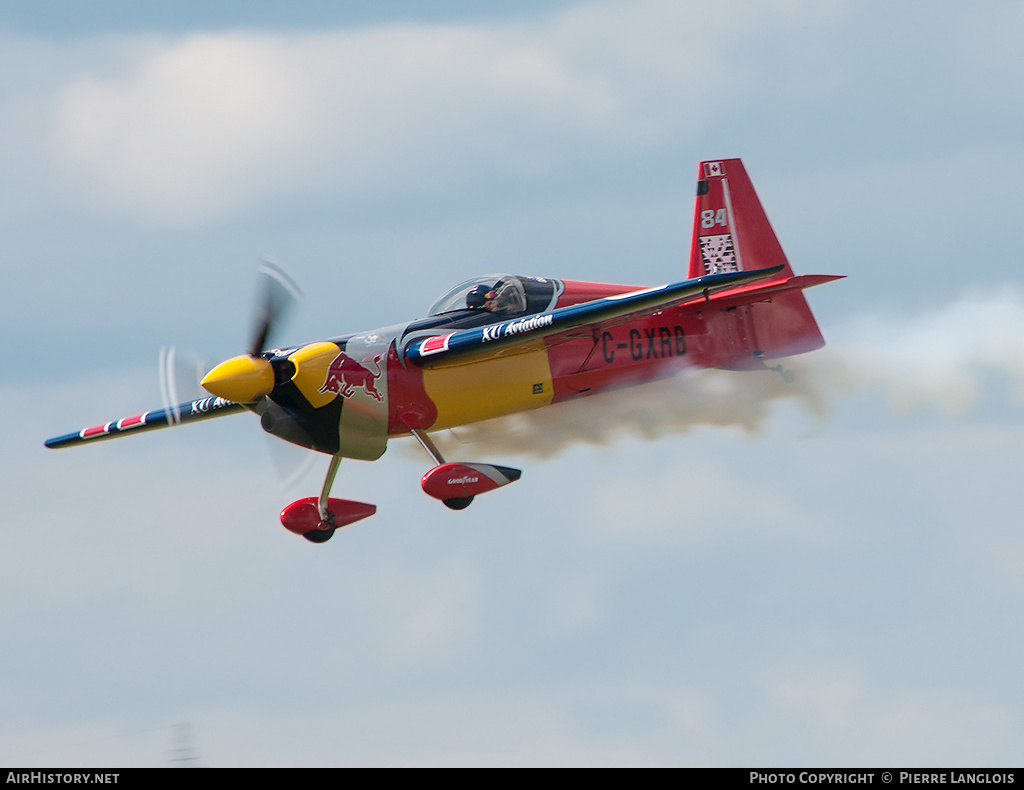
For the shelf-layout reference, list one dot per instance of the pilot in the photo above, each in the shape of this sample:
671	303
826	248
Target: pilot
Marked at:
482	297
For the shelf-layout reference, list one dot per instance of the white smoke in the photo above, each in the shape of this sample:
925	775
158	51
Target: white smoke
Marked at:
943	361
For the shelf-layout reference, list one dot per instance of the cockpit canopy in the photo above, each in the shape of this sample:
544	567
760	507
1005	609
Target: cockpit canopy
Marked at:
505	295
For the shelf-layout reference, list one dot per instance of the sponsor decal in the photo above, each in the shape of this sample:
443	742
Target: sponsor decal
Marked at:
461	481
718	253
208	404
517	327
346	374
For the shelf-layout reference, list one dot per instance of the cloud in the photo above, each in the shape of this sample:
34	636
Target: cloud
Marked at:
943	359
849	720
203	125
646	510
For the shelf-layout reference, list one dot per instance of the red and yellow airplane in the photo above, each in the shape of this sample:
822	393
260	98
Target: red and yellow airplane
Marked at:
500	344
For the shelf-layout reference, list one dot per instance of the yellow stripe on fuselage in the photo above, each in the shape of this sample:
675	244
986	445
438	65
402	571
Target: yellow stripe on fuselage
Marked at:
483	389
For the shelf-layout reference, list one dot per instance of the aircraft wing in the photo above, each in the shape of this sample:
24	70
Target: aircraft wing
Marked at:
521	334
201	409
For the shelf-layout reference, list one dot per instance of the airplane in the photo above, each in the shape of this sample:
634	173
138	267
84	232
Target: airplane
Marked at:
500	344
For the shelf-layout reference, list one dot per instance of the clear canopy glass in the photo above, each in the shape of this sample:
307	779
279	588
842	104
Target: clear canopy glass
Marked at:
509	295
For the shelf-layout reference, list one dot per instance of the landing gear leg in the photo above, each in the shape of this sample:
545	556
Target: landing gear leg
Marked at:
787	375
428	444
453	503
325	530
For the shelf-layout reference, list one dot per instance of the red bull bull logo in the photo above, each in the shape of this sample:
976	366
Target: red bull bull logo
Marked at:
346	374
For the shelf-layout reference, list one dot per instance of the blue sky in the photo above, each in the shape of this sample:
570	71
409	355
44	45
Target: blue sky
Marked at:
715	570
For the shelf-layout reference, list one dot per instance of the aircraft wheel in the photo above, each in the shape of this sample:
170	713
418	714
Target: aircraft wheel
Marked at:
458	503
319	535
788	376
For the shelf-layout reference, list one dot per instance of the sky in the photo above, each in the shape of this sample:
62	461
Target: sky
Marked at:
716	570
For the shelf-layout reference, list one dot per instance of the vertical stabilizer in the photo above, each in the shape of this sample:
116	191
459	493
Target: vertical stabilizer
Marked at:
731	233
730	229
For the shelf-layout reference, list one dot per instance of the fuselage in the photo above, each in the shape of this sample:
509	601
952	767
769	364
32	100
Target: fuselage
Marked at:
350	394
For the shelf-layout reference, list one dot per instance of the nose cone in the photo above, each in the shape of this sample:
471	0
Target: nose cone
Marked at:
243	379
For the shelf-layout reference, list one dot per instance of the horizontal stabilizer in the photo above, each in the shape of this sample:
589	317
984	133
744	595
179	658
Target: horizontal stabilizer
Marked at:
762	290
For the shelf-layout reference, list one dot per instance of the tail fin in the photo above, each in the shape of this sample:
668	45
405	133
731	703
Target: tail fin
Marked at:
730	229
731	233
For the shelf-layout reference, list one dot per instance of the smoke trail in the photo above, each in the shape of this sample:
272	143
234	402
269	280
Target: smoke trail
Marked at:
942	360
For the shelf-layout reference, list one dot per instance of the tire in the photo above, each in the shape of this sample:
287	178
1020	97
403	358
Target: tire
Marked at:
319	535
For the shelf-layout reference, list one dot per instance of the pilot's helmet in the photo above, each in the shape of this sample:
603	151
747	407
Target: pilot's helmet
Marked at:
478	296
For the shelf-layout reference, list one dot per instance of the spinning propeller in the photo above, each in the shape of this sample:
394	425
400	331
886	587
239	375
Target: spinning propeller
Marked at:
180	374
247	378
238	383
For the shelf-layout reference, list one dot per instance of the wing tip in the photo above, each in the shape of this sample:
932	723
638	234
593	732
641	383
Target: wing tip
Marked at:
57	442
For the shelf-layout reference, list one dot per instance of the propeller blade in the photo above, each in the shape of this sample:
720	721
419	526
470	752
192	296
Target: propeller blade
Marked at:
291	462
248	378
243	380
278	293
180	374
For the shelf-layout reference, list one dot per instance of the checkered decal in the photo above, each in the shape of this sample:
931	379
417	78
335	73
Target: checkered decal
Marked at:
718	253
